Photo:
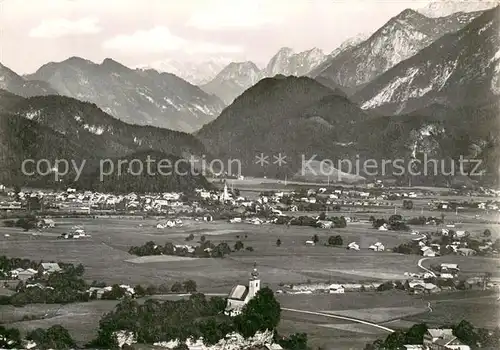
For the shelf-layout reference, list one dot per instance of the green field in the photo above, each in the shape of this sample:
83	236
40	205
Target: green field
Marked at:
481	308
105	254
105	258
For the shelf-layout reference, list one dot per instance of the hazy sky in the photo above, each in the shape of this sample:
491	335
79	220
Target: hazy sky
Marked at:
34	32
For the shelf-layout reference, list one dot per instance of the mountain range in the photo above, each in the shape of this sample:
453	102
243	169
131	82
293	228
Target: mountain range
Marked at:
440	94
11	81
461	68
417	85
354	63
144	97
239	76
400	38
196	73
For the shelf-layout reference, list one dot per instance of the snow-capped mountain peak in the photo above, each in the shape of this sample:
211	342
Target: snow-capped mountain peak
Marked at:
196	73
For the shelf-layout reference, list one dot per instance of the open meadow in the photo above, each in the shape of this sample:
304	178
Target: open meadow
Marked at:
106	258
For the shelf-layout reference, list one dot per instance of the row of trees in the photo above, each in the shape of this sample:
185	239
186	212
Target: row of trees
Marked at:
205	249
63	287
154	321
337	222
422	220
55	337
395	222
26	223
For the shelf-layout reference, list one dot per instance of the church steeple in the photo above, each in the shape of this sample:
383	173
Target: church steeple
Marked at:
225	193
254	283
255	273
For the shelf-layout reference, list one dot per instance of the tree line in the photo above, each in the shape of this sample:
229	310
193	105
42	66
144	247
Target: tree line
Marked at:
205	249
195	317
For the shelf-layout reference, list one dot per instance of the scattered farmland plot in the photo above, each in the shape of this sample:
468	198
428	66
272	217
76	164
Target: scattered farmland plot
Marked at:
380	314
480	308
105	258
105	254
81	319
350	301
330	335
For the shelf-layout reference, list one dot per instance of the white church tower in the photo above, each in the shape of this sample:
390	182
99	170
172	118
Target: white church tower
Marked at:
254	283
240	295
224	196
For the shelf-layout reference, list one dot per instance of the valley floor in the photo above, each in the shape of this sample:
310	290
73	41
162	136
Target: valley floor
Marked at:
105	258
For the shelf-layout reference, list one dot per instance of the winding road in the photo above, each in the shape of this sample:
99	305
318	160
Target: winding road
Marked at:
419	264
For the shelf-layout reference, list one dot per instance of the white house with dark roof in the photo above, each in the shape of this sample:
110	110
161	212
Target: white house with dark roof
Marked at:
50	267
442	339
240	295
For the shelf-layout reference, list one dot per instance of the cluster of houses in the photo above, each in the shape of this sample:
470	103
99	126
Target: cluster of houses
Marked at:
458	244
25	274
169	224
74	201
481	205
327	288
76	232
297	200
99	291
439	339
335	196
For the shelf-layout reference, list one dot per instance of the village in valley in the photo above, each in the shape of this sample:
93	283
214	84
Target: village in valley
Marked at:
346	259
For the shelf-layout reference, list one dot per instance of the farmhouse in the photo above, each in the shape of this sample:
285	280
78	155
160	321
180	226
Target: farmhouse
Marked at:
442	339
353	246
377	247
427	251
383	228
336	289
22	274
325	223
451	269
46	223
240	295
466	251
50	267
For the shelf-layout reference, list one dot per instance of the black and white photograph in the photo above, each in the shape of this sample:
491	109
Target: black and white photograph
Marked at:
250	174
